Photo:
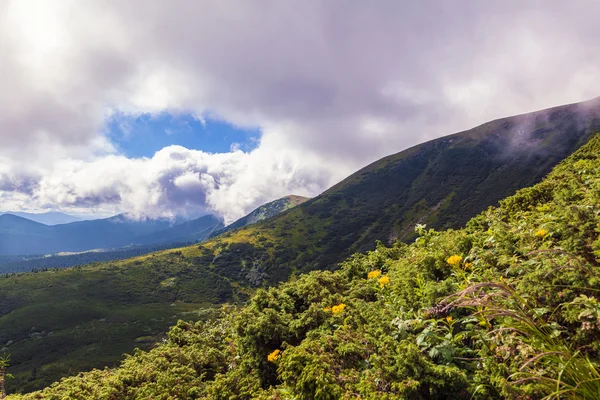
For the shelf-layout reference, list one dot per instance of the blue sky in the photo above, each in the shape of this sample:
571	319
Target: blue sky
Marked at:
143	135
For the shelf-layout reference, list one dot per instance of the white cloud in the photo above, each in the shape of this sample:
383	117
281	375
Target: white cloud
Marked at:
332	85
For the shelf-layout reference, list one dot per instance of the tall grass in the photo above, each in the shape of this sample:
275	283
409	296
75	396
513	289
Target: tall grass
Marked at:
557	369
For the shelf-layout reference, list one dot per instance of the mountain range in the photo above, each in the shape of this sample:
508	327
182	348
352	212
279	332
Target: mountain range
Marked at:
26	243
121	305
20	236
46	218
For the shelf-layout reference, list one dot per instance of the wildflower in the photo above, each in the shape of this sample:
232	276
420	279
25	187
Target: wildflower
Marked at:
468	265
384	280
374	274
274	356
541	233
454	260
338	309
327	309
449	319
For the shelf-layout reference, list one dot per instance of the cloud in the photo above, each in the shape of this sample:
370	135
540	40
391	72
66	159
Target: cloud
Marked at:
332	85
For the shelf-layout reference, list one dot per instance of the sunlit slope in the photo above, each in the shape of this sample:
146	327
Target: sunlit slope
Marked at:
503	309
441	183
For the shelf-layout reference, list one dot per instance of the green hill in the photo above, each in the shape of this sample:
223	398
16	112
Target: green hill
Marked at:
442	183
263	212
504	308
60	322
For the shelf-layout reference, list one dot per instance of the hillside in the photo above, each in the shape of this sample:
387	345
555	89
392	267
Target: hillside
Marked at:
441	183
504	308
118	305
195	230
263	212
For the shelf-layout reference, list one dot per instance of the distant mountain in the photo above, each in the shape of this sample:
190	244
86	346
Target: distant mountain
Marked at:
179	234
195	230
265	211
20	236
47	218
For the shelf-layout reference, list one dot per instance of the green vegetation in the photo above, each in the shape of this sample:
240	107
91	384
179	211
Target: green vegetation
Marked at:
442	183
265	211
61	322
504	308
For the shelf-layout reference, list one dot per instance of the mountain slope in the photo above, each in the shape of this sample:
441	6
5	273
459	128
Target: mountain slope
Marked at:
505	308
441	182
263	212
19	234
190	231
47	218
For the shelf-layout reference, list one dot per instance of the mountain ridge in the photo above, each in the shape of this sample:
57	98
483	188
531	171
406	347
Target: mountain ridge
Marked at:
46	218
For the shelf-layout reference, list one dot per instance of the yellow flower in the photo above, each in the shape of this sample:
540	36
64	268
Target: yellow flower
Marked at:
449	319
274	356
541	233
384	280
374	274
327	309
338	309
468	265
454	260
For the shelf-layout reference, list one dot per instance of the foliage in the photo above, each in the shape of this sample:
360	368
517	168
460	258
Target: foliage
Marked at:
513	315
131	303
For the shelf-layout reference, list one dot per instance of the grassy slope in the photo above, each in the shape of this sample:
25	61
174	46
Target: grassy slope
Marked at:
265	211
400	337
442	182
64	321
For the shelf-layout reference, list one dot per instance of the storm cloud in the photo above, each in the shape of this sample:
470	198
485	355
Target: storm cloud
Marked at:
332	85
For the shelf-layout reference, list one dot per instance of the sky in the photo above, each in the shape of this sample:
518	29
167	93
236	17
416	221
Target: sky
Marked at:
180	107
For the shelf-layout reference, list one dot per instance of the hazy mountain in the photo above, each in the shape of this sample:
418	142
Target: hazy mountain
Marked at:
20	236
46	218
195	230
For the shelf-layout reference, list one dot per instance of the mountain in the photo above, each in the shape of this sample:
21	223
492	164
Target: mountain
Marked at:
20	236
191	231
127	304
441	183
504	308
263	212
177	235
47	218
17	234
